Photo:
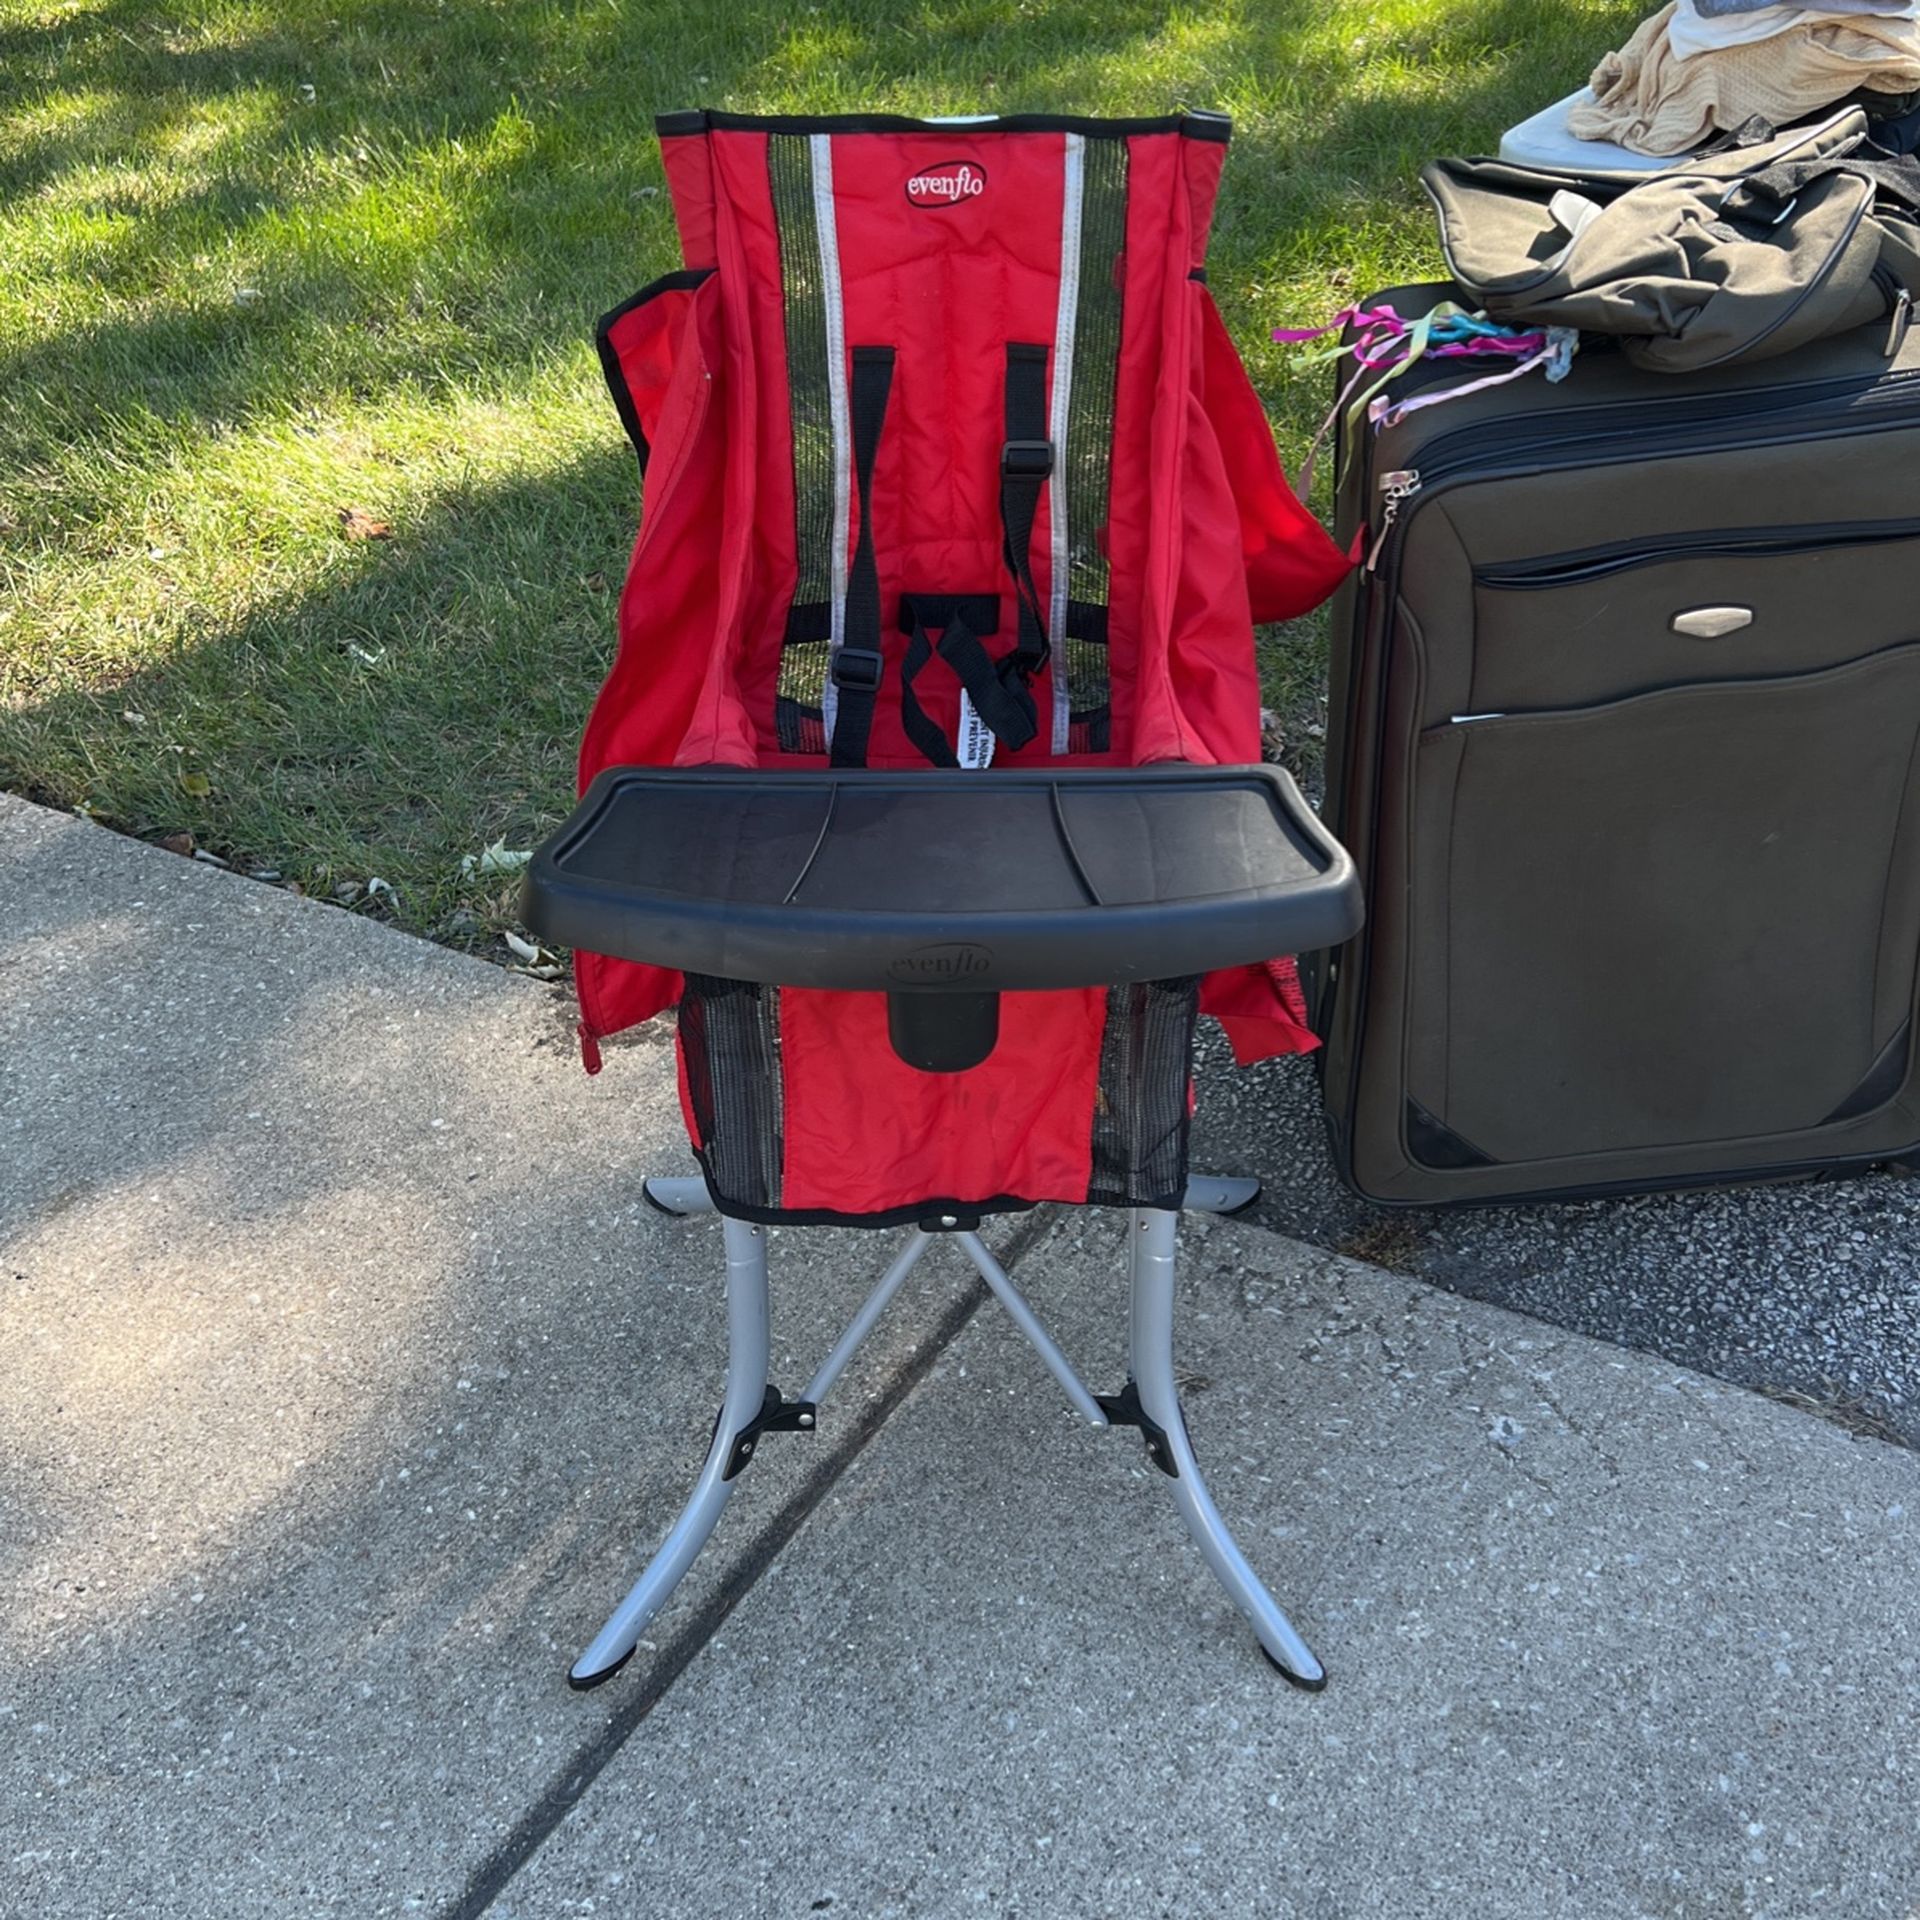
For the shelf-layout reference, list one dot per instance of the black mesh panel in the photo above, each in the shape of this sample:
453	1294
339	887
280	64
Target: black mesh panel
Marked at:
799	729
1089	449
803	661
1140	1108
730	1042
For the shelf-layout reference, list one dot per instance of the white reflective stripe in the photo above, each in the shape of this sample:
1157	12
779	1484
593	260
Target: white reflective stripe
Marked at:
820	152
1067	317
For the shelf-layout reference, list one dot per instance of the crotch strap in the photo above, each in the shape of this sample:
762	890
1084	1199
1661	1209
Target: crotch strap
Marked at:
995	688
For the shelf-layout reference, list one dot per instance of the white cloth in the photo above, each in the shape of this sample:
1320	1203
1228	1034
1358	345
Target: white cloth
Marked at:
1543	141
1647	100
1690	31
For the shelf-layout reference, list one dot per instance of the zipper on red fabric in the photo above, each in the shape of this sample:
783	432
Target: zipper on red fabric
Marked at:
589	1047
588	1028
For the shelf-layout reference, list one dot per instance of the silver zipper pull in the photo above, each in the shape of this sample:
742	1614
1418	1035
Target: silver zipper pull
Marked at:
1401	484
1902	317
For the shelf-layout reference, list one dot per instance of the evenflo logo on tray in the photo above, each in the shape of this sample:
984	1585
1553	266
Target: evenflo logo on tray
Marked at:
947	184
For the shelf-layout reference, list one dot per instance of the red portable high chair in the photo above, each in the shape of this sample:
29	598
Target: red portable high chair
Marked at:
925	779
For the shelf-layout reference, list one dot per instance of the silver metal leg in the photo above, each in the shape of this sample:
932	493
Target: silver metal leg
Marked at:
678	1195
1024	1317
862	1322
746	1392
1151	1401
1216	1193
1151	1234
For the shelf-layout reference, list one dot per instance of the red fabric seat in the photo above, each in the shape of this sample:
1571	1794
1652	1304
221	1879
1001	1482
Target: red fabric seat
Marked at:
1164	529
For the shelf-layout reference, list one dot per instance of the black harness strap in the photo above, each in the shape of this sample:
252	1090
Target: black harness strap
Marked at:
1026	464
999	690
857	662
998	693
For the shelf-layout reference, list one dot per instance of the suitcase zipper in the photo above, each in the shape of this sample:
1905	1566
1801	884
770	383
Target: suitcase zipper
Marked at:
1401	484
1902	318
1736	683
1449	453
1622	556
1450	457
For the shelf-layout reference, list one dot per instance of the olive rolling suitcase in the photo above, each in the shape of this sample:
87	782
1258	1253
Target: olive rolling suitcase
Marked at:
1623	723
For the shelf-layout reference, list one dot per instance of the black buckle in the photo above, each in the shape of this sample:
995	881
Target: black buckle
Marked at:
858	669
1027	459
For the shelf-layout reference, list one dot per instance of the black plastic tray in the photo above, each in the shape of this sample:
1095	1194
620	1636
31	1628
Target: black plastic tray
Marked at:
943	880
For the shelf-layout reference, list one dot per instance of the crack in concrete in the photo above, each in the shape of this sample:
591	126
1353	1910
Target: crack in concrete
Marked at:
1704	1406
1522	1469
491	1878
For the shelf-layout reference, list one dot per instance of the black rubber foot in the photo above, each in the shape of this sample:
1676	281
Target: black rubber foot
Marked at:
1290	1677
585	1683
672	1213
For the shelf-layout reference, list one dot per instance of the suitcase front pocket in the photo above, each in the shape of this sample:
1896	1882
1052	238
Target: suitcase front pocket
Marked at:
1686	916
1602	622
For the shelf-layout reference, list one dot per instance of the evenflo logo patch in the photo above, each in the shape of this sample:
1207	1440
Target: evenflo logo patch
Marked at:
946	185
941	965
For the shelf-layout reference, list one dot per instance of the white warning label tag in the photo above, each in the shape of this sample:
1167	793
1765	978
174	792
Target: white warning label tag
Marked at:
976	737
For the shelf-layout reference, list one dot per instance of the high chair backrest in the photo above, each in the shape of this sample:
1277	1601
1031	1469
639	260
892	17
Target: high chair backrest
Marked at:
991	344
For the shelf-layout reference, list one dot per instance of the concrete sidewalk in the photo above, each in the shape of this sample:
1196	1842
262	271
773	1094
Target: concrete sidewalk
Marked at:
1808	1288
348	1379
1605	1640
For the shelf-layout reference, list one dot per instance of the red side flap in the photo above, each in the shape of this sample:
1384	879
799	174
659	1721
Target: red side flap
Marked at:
1292	564
637	343
659	351
1262	1009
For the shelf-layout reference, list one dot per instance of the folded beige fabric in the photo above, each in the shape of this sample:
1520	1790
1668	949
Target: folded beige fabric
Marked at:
1648	99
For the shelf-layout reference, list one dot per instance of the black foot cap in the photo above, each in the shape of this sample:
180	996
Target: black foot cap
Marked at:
672	1213
1290	1677
586	1682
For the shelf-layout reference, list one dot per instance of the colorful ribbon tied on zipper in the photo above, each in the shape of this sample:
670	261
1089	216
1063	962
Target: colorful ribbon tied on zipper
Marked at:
1383	346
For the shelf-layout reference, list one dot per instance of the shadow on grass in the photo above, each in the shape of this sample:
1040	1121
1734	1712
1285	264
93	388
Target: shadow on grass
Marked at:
450	205
424	698
456	201
1474	67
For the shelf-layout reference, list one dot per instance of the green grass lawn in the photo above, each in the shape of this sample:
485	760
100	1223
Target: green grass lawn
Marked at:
265	263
